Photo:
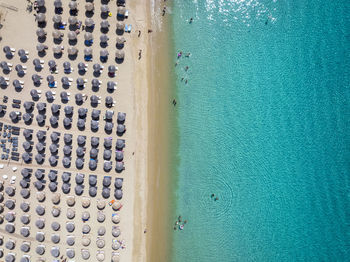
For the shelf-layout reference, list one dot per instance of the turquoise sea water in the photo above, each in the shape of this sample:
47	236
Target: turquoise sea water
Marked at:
264	124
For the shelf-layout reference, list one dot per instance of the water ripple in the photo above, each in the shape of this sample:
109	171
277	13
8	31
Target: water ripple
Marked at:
221	189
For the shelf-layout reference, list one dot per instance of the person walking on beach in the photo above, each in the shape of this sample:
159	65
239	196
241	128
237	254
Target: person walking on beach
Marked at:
140	53
174	102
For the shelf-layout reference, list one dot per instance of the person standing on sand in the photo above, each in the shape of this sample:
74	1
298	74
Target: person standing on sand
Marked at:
139	34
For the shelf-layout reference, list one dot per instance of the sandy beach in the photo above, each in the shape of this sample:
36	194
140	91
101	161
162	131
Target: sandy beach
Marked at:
131	98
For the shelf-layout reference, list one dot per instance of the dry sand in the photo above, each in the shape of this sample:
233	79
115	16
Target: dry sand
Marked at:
131	97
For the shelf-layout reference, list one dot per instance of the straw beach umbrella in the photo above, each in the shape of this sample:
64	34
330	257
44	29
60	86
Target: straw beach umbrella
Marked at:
119	166
95	141
120	41
101	217
85	254
78	98
115	245
81	123
89	7
55	252
121	11
72	51
57	18
104	24
27	117
53	122
93	153
41	17
67	138
70	213
115	231
107	143
70	253
56	34
118	183
81	140
94	99
100	243
82	67
54	137
92	180
92	164
120	54
66	188
25	206
79	163
92	191
67	122
67	150
57	4
88	36
56	212
70	241
109	101
89	22
120	26
40	47
104	53
104	38
88	51
65	81
73	5
66	179
72	35
107	154
121	117
104	8
40	250
40	235
72	20
107	166
106	192
56	198
86	229
101	203
52	65
115	218
57	49
68	110
40	119
118	194
55	226
108	127
40	3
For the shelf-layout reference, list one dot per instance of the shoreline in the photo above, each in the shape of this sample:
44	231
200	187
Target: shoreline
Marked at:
160	110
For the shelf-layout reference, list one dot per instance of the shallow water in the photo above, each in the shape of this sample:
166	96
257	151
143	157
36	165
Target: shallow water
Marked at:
264	125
